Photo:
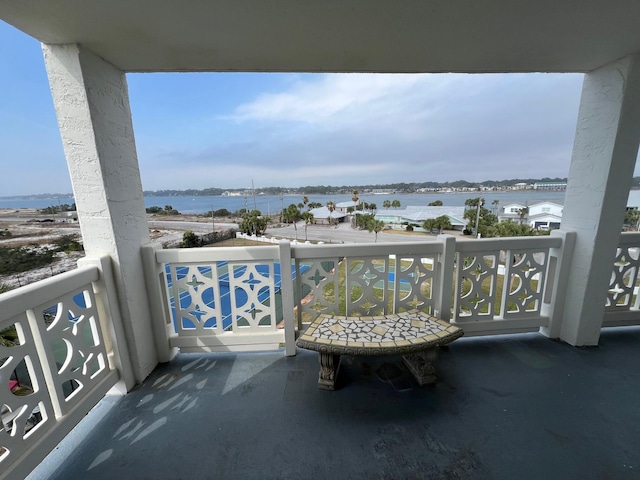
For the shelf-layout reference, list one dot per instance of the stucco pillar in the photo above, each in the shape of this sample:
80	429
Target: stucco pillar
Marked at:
92	105
602	165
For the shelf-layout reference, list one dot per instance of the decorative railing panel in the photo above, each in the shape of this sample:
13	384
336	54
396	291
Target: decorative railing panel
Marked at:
525	273
252	296
318	288
476	279
54	364
622	305
414	283
74	343
195	297
502	280
622	294
219	299
26	410
366	279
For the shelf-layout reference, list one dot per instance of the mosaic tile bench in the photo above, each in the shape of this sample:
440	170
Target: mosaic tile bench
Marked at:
414	335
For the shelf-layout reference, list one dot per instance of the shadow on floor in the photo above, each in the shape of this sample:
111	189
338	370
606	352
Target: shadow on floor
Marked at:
504	407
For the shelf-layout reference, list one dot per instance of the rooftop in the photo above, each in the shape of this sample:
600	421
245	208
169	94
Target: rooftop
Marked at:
505	407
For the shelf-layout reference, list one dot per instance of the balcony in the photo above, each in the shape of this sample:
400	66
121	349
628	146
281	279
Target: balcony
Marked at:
505	407
237	414
566	411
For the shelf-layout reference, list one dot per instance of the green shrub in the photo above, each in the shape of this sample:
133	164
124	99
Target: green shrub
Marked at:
22	259
190	240
67	244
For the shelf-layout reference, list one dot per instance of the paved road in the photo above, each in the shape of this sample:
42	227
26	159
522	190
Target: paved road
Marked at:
197	227
345	234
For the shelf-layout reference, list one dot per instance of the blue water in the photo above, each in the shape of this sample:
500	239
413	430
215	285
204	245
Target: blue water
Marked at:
272	203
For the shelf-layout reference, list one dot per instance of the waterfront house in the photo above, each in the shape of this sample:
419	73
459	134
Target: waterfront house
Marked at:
540	215
416	215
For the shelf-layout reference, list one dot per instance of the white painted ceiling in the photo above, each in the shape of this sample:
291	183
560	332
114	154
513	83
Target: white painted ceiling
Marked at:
339	35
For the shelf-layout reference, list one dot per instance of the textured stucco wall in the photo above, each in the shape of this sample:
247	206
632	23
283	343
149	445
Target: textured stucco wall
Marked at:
92	106
604	157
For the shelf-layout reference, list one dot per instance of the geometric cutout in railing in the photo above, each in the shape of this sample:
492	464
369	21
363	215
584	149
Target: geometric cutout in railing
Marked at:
197	312
367	306
476	300
478	271
368	276
194	283
316	277
252	282
317	306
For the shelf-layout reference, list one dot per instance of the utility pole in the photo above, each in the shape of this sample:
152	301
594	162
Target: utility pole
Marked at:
480	202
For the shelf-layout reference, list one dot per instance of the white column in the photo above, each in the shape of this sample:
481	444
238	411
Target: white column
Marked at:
604	156
92	105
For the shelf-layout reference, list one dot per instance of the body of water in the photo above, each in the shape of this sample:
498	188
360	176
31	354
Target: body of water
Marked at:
272	203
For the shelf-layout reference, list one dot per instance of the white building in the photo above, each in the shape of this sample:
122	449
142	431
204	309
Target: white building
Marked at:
541	215
545	215
414	214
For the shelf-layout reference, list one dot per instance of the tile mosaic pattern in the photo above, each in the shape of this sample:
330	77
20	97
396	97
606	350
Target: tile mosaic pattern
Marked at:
391	334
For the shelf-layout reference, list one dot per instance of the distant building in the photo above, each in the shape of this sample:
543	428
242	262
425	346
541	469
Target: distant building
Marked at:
418	214
550	186
322	215
541	215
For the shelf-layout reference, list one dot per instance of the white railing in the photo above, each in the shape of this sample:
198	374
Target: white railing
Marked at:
212	299
57	360
484	286
623	301
219	299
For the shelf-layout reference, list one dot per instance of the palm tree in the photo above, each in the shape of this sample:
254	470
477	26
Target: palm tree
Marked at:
373	207
355	197
386	204
331	206
395	204
375	226
523	212
429	224
308	218
291	214
495	205
305	200
442	223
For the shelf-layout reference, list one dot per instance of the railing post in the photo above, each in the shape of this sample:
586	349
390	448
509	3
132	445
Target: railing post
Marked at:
109	311
554	295
160	317
286	289
444	279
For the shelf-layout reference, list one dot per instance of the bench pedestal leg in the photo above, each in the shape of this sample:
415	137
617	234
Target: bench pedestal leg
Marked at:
420	364
329	365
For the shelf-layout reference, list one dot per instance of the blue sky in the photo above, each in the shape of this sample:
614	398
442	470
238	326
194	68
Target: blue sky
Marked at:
222	130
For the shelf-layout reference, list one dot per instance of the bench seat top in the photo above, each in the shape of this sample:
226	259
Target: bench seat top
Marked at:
392	334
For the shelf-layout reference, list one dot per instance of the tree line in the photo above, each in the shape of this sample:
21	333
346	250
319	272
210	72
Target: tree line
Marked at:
399	187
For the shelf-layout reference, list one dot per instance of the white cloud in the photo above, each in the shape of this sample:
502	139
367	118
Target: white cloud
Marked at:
366	128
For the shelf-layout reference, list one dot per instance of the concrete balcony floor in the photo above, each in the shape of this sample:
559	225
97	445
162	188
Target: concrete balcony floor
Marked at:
504	408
